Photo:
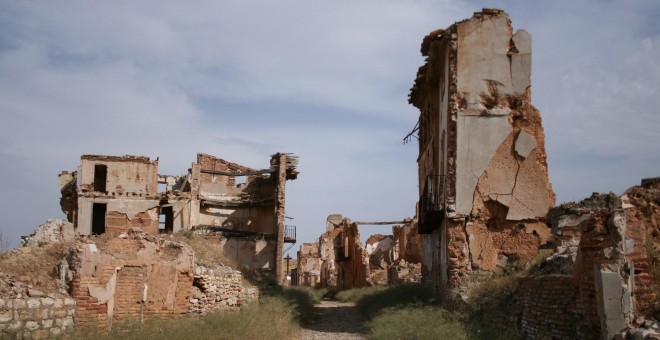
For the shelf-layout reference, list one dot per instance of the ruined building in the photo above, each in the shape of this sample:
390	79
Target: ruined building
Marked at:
339	260
483	178
242	210
486	203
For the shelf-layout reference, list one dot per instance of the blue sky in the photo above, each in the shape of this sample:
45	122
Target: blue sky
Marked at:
327	81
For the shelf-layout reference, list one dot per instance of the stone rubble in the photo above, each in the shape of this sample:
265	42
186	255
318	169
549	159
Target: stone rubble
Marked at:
221	288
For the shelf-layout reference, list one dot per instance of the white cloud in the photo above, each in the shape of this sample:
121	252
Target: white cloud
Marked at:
129	77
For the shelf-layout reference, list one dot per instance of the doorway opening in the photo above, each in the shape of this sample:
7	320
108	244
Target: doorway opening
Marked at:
98	218
166	221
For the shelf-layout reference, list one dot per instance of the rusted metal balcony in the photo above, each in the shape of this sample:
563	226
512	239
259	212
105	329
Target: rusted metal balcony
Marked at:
289	234
432	204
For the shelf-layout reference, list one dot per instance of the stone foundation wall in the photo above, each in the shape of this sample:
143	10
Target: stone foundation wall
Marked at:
36	317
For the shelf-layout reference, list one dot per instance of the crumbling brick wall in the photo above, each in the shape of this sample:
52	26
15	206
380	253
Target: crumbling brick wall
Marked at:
352	259
641	205
483	178
588	272
547	302
342	261
130	277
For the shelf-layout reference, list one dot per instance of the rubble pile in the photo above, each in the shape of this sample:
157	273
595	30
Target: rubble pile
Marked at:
53	230
404	272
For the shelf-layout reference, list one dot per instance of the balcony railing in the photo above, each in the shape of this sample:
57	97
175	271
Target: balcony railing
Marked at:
432	203
289	234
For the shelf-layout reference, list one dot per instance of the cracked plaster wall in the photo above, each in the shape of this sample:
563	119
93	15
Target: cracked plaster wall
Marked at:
480	131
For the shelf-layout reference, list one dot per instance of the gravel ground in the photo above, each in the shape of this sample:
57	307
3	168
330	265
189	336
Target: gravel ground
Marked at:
338	320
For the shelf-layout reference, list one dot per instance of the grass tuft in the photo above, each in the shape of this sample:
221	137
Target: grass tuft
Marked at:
426	322
276	316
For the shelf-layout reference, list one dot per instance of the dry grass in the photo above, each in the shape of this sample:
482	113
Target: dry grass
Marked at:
35	266
274	317
207	250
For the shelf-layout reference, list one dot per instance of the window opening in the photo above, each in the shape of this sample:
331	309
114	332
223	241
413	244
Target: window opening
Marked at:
100	177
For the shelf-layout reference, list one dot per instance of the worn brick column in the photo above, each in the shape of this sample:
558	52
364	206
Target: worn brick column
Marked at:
279	214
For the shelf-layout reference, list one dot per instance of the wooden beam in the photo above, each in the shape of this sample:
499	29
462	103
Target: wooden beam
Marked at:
247	173
260	203
381	223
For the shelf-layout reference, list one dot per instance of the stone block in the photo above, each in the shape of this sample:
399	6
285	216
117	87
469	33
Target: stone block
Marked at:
41	334
67	323
14	326
60	313
58	303
19	304
609	296
47	302
525	143
31	325
33	303
6	315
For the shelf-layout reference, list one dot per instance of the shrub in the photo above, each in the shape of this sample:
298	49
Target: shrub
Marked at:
426	322
355	294
403	296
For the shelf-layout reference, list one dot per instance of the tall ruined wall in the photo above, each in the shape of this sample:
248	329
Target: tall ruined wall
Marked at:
342	261
641	205
352	261
330	244
407	242
309	265
484	188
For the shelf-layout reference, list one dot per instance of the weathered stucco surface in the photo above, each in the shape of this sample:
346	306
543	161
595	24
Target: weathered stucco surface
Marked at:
484	188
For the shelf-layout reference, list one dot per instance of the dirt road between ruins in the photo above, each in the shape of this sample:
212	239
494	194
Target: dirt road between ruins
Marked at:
337	320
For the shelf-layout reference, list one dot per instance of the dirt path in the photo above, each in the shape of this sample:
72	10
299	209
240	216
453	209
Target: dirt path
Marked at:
337	320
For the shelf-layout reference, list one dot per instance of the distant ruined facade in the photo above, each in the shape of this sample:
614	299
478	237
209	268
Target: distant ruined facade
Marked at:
339	260
245	220
483	177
